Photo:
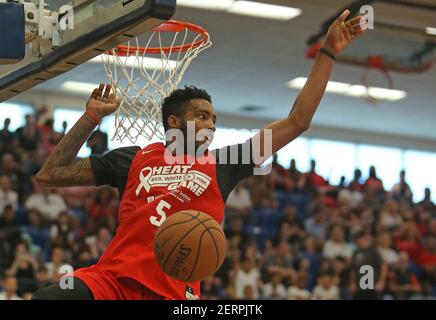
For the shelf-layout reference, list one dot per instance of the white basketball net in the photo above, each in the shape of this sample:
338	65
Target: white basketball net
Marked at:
141	88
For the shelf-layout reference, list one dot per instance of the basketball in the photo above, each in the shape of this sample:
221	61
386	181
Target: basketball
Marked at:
190	246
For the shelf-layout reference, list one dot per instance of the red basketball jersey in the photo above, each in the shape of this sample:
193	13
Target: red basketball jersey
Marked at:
153	191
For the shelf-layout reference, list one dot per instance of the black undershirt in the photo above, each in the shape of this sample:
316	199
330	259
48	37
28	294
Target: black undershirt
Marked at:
113	167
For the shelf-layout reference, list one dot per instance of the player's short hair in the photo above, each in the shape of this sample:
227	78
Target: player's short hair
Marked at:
175	103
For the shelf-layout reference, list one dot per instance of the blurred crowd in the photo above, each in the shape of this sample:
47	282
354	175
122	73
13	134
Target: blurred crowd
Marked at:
291	235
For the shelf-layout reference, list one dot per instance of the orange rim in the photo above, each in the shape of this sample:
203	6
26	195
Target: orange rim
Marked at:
168	26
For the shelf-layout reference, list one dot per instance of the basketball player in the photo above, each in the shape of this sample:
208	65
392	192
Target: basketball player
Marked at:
127	269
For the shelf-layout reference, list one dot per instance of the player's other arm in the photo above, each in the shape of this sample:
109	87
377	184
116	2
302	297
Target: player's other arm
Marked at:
339	36
61	169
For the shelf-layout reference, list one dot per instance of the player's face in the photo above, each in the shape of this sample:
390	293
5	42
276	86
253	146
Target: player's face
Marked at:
201	112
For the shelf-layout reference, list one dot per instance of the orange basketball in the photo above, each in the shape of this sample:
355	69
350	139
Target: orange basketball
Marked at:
190	246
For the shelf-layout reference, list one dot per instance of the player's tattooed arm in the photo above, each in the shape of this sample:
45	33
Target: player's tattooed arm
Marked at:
61	169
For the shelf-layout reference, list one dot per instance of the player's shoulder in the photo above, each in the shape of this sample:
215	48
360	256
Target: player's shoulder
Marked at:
124	150
118	154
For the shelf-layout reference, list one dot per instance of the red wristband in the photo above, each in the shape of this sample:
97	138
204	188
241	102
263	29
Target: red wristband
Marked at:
93	117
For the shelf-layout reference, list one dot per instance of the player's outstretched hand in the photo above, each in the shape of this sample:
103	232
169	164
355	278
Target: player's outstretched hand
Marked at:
341	33
102	102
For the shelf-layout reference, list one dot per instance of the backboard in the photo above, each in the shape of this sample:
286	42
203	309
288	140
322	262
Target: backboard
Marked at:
98	25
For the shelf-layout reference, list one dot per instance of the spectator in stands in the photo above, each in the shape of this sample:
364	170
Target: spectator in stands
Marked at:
427	203
46	201
37	230
28	135
61	233
23	267
407	238
290	216
6	136
11	168
279	175
104	205
274	290
384	247
427	256
281	261
432	228
373	183
336	246
313	179
249	293
9	226
49	137
315	225
236	231
311	253
427	260
367	255
401	191
211	288
390	216
261	192
7	195
325	289
404	283
298	290
10	286
247	275
297	183
54	266
357	180
239	200
350	196
341	271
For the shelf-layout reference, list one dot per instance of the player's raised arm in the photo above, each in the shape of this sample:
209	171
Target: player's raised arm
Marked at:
339	36
61	169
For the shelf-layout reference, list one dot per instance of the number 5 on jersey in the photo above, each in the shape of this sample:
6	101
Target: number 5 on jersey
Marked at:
158	220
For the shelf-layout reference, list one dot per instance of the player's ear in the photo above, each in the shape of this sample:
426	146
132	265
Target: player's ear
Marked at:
174	122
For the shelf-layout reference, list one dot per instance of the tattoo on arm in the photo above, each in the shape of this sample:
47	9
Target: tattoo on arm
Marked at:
60	167
68	148
77	174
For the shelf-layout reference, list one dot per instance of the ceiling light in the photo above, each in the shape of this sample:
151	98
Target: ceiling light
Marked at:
79	87
207	4
431	31
146	62
358	91
264	10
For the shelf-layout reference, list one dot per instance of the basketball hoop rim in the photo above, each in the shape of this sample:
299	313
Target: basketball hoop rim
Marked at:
168	26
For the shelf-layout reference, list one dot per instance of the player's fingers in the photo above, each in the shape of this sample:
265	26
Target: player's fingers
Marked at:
113	98
358	33
94	94
346	32
354	20
100	91
343	16
107	92
358	27
353	30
